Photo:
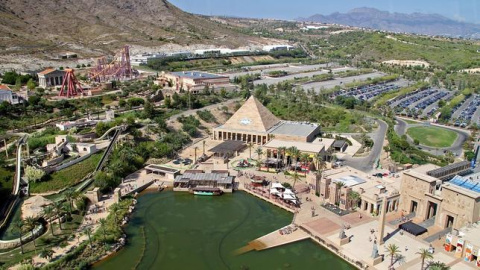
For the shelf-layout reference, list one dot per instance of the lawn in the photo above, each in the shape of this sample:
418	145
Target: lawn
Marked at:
433	136
6	180
67	177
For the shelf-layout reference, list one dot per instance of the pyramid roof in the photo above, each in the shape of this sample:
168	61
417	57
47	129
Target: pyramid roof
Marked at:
252	116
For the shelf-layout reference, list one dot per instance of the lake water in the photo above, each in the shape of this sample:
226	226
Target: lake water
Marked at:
171	230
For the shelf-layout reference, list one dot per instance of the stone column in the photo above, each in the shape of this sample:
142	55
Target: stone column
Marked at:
381	222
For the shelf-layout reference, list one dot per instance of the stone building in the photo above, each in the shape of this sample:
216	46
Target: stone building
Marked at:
7	95
50	77
451	203
336	184
256	124
192	81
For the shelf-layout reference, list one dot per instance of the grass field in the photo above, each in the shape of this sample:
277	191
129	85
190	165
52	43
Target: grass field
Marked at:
433	136
67	177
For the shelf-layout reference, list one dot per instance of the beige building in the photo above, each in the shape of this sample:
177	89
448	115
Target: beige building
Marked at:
192	81
450	203
336	184
50	77
256	124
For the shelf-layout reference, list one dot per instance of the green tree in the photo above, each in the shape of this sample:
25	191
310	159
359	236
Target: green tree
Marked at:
31	223
424	255
148	110
259	152
31	84
48	212
103	225
393	251
88	231
33	174
354	197
437	266
167	102
46	254
19	226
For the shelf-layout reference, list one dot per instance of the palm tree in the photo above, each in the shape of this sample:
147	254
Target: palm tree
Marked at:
114	209
393	251
59	210
321	164
46	254
304	158
250	146
259	152
354	198
437	266
294	154
31	223
69	198
88	231
339	188
19	226
424	255
103	225
295	177
48	214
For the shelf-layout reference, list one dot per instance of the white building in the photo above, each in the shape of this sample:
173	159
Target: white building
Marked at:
50	77
269	48
7	95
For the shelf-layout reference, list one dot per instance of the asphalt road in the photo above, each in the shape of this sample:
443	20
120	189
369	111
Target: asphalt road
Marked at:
365	164
456	148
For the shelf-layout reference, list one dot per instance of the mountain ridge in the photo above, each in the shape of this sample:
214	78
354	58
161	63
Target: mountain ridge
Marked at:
417	23
94	26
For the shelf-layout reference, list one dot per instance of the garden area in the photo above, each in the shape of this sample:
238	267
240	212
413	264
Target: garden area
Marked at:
68	176
432	136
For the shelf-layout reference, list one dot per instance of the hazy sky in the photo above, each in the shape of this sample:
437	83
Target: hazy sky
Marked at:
462	10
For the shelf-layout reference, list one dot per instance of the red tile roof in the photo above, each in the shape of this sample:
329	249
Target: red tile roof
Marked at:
46	71
4	87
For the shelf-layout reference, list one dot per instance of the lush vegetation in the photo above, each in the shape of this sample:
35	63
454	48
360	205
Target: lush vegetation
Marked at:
206	116
190	125
66	177
433	136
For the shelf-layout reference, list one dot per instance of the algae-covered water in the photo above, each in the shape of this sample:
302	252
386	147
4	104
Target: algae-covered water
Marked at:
172	230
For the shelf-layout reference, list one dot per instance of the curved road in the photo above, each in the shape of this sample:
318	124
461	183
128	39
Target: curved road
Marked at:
365	164
456	148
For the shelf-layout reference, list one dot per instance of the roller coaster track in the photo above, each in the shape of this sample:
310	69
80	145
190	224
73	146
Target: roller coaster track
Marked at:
10	203
18	176
118	130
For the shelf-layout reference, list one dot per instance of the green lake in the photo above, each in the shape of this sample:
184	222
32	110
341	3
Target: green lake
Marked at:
171	230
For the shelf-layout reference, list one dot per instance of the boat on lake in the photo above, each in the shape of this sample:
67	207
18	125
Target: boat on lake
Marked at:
206	191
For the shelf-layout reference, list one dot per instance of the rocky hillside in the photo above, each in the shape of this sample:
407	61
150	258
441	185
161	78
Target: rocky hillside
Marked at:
92	27
418	23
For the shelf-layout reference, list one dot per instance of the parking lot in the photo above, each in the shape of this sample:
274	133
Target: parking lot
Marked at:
465	114
433	107
367	92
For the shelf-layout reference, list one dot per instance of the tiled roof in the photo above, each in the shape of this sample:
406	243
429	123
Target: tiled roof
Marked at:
4	87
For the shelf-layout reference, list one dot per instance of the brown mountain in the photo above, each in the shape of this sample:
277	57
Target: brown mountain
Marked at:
96	26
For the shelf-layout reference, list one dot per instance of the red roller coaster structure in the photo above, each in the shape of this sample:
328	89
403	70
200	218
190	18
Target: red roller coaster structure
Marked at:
70	85
118	69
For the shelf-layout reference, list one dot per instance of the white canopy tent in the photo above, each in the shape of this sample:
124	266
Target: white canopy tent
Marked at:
274	191
277	185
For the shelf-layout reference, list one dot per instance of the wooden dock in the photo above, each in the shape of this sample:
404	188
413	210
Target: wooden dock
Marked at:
274	239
